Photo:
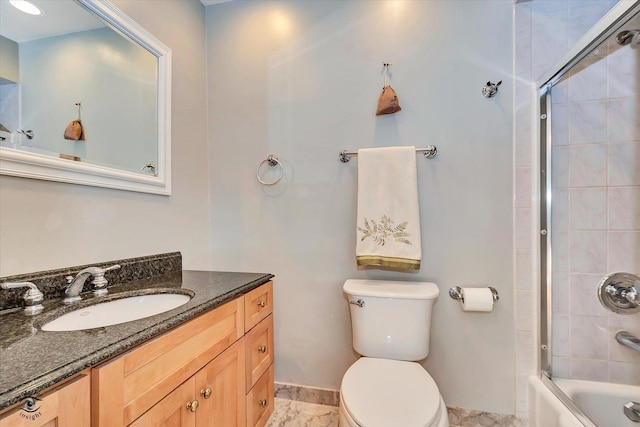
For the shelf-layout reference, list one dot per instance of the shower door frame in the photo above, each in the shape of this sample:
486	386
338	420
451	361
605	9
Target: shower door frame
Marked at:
618	16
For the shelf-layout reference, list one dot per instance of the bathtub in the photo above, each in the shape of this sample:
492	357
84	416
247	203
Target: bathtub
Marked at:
602	403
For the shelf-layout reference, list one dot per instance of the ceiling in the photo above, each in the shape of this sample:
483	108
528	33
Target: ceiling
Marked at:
58	17
210	2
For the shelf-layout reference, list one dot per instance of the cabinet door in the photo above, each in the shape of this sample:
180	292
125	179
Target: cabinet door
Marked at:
67	406
175	410
220	389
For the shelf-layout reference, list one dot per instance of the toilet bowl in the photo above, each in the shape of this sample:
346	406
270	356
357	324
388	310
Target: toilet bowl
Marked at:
390	323
390	393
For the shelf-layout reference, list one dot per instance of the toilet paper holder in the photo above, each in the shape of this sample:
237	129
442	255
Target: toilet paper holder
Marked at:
455	292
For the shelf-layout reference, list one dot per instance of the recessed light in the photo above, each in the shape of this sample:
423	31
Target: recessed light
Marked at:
26	7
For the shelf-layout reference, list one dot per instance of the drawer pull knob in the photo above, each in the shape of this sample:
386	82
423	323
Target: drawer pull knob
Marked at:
192	405
206	392
262	349
262	402
262	303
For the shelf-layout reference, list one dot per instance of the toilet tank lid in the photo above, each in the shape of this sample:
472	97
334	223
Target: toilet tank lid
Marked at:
391	289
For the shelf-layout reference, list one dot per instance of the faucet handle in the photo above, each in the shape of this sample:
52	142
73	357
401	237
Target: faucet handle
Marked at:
32	298
99	282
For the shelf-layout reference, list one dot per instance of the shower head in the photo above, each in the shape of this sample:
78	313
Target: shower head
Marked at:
628	37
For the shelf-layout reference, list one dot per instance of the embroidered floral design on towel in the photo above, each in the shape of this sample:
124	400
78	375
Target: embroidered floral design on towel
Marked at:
385	230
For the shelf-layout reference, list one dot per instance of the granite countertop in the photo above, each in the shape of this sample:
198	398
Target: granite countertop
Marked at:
32	360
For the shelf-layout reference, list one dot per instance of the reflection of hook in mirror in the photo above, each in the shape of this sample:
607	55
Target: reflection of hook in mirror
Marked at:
149	168
28	133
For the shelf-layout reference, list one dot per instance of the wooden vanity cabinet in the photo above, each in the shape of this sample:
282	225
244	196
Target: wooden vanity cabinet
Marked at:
196	374
66	405
207	398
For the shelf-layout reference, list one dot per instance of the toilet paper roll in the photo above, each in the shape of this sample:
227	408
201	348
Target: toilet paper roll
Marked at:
477	299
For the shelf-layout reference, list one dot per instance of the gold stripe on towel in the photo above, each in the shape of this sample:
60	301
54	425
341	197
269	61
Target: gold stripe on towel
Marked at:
381	261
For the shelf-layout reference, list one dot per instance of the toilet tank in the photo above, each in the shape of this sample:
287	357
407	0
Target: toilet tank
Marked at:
391	319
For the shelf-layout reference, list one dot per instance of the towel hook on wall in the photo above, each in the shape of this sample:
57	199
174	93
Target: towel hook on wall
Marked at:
490	89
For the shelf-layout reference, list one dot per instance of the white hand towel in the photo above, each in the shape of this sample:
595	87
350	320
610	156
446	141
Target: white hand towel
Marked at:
388	227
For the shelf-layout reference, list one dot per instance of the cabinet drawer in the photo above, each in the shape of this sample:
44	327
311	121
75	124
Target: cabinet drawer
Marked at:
260	400
259	350
258	304
131	384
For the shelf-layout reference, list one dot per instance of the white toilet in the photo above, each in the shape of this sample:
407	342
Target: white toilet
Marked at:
391	322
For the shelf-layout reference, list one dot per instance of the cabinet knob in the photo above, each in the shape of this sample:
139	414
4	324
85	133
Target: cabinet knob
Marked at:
262	402
262	303
262	349
192	405
206	392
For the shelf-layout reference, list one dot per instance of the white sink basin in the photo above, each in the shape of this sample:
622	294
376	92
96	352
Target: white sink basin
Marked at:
116	311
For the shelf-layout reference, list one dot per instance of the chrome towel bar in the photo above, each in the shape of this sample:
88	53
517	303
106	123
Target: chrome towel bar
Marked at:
430	151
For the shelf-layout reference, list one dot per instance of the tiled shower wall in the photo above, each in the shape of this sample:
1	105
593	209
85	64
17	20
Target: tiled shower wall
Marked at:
544	31
595	212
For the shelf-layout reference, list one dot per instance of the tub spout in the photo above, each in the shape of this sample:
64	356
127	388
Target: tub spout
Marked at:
632	411
626	338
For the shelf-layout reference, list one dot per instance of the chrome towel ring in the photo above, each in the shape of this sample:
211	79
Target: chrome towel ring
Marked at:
273	161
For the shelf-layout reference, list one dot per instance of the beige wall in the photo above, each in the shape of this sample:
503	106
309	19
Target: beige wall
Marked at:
301	79
46	225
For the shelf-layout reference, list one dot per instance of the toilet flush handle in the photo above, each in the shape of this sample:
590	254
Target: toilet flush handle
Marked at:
359	303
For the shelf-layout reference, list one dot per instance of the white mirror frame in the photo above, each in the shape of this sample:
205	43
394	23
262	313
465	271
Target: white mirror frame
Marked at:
38	166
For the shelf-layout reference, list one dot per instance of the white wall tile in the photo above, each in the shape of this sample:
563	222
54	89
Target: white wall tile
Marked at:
560	250
623	164
525	304
560	210
624	373
623	120
560	167
624	208
584	295
591	370
588	82
587	120
561	336
524	276
523	238
560	295
559	124
588	252
588	208
525	351
587	164
588	338
549	41
523	188
624	251
561	367
623	72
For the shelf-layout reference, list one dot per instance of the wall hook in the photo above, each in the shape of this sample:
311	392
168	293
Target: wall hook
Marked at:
490	89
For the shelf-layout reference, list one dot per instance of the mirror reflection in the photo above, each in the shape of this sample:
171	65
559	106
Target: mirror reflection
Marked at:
73	88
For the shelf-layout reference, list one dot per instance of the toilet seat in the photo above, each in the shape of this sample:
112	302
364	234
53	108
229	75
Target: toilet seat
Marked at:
383	393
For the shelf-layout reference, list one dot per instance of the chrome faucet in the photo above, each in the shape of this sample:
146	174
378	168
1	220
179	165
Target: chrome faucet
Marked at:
32	298
74	288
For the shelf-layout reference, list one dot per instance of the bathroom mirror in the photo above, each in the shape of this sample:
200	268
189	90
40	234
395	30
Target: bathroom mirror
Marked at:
84	60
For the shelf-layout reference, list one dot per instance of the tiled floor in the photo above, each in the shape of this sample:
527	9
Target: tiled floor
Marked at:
292	413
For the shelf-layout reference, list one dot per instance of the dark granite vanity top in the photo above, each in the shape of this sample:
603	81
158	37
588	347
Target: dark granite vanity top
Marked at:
32	360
